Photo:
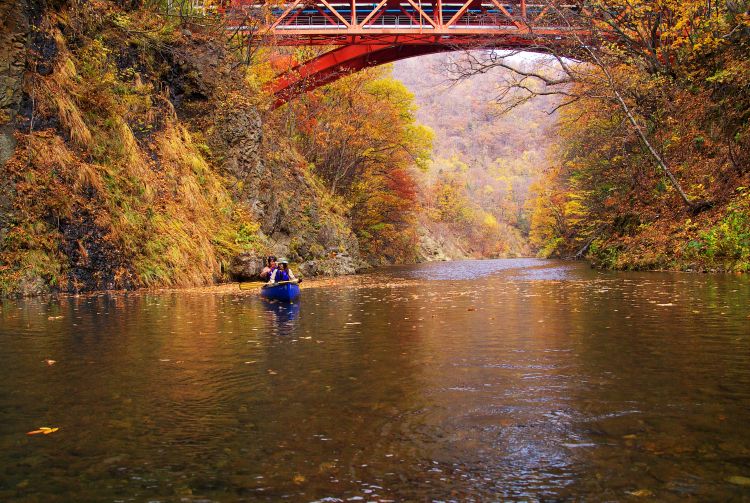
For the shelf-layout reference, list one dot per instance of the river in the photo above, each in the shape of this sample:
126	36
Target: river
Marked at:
467	381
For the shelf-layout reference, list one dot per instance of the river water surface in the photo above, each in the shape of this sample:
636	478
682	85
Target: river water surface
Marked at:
531	380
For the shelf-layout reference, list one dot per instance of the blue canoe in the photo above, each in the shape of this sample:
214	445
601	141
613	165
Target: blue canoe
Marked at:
285	291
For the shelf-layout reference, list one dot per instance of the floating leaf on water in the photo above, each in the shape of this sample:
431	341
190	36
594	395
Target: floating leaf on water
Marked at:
50	362
739	480
326	466
641	493
43	430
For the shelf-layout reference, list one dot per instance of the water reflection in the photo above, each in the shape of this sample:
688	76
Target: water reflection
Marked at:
466	269
281	315
533	380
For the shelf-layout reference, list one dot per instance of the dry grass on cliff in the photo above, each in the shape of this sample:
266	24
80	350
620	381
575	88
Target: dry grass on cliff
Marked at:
113	192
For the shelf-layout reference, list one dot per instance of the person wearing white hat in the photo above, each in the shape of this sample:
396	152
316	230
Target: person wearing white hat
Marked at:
282	272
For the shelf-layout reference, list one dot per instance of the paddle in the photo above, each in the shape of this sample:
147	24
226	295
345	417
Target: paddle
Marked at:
251	285
279	283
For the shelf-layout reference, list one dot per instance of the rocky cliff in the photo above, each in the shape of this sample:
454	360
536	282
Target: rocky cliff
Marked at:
135	154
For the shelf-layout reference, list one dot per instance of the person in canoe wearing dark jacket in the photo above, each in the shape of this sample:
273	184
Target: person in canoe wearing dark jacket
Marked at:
271	266
282	273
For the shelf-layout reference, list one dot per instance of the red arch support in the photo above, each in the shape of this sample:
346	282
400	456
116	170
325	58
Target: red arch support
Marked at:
348	59
340	62
373	32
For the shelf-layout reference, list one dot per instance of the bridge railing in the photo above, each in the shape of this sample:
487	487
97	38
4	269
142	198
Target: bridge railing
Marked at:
394	21
333	19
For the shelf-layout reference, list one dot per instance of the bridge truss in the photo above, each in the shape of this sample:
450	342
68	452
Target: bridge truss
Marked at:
366	33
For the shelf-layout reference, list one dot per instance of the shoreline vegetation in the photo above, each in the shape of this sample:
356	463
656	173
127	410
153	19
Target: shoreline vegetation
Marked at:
357	280
141	151
234	288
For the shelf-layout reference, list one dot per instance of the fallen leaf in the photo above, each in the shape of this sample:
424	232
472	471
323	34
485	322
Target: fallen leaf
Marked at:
299	479
50	362
44	430
739	480
641	493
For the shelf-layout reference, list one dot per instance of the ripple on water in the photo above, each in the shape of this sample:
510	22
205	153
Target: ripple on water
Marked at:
534	380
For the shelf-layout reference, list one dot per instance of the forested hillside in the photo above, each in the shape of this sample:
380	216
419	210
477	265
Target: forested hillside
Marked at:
649	159
141	150
653	165
475	191
359	136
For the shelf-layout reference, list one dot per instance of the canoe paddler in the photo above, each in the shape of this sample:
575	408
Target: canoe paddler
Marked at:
282	272
265	274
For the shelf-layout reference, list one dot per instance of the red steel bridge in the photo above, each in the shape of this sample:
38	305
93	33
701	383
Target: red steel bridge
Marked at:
365	33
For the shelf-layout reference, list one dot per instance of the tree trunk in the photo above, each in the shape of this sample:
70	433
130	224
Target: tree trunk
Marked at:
631	118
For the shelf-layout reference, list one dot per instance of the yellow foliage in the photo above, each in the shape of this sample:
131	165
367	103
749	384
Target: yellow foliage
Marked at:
490	221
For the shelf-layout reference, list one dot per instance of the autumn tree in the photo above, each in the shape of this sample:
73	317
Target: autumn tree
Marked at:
361	138
666	71
632	54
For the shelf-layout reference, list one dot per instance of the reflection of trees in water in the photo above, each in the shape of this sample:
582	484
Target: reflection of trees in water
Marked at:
502	383
343	383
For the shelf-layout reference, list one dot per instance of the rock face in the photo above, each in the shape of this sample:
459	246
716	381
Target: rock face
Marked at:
13	40
246	267
339	265
436	247
242	132
271	198
284	200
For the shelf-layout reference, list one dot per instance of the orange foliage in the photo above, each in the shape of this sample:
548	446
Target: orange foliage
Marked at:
360	137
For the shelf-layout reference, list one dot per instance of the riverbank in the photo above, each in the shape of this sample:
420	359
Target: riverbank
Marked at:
372	278
245	289
716	240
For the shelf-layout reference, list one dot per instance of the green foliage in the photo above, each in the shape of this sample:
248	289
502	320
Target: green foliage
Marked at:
727	243
606	255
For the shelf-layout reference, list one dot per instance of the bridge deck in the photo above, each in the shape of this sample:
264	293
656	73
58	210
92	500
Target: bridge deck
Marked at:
374	32
320	22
